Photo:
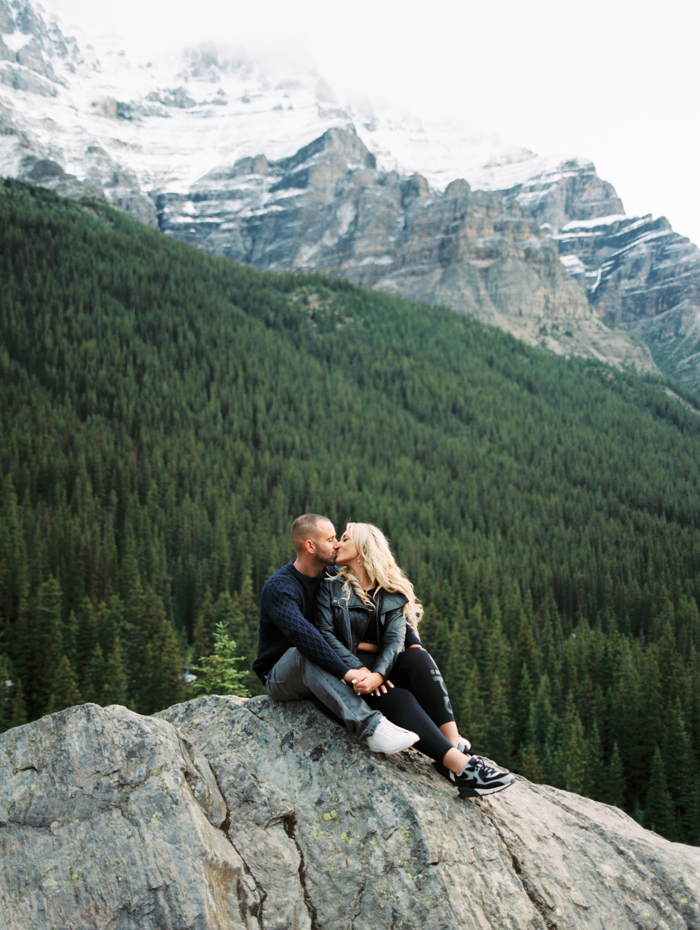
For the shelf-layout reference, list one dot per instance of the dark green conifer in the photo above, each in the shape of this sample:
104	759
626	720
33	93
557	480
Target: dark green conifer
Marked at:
5	693
529	765
94	677
616	781
115	687
596	781
217	673
659	813
64	688
499	726
18	713
572	757
471	712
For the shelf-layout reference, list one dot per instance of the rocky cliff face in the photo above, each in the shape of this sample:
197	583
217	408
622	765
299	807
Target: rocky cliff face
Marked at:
645	278
225	813
270	169
330	208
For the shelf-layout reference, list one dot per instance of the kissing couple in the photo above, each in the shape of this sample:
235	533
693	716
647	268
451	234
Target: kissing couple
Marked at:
339	625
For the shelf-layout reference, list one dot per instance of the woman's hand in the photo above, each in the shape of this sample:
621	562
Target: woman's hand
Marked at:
366	682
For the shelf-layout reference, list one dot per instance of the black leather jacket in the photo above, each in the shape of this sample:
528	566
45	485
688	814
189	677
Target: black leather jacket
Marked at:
343	620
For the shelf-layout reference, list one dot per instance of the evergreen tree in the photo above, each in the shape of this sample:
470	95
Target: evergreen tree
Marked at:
460	650
616	782
18	713
659	813
39	646
596	778
677	746
5	694
471	715
205	624
540	716
529	764
64	688
572	758
13	561
86	637
499	726
115	686
94	679
155	662
217	673
522	706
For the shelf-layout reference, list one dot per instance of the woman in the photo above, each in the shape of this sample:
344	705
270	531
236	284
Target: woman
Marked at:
362	613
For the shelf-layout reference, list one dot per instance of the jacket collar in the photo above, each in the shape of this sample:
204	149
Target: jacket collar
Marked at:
385	600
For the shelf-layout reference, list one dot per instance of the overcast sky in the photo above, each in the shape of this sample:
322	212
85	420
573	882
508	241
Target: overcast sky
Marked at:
610	80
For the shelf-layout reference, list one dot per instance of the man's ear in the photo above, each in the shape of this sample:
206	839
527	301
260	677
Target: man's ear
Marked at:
310	546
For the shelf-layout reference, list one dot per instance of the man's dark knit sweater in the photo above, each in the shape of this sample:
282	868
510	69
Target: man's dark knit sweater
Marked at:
286	606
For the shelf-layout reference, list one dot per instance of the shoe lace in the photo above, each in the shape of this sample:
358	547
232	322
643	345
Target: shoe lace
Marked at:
486	770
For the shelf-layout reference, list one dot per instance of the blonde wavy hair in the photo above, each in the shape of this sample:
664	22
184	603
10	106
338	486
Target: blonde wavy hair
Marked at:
382	569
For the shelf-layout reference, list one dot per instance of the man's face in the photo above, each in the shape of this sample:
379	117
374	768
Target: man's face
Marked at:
326	543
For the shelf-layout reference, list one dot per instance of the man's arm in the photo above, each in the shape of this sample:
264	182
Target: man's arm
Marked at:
282	608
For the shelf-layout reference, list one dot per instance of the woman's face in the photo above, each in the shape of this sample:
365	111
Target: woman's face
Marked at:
347	553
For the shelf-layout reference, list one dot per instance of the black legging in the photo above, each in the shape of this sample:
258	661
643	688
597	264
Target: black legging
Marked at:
418	701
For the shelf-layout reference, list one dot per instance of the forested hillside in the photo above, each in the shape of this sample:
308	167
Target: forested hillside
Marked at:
166	414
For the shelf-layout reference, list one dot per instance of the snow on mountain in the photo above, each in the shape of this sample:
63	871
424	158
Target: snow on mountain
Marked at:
259	160
173	120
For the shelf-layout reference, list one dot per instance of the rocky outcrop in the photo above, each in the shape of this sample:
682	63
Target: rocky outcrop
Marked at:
644	277
565	191
226	813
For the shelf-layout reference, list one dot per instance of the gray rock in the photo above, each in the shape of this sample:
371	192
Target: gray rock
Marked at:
570	191
644	277
108	819
223	812
27	81
177	97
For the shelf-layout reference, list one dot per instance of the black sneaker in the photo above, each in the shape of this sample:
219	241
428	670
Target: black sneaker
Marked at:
478	779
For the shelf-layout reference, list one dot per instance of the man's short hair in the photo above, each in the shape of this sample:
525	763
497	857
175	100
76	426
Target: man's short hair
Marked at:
304	527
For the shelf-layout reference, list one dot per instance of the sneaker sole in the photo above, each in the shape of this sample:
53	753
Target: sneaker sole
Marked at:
480	792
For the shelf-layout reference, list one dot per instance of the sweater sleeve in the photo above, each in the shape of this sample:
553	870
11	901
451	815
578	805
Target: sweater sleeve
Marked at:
283	609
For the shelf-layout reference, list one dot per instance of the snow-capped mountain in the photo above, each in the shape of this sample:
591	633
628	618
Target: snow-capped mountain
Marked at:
260	162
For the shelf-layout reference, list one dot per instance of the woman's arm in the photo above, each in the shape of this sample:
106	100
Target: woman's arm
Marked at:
324	621
393	640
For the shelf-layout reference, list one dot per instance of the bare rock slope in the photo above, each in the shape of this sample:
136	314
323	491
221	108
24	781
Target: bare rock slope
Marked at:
225	813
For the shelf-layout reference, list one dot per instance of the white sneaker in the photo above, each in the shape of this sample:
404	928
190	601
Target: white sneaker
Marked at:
464	745
389	738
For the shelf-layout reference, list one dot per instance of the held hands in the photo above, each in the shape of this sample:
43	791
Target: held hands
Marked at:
366	682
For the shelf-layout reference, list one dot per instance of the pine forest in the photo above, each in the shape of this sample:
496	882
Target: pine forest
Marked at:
165	414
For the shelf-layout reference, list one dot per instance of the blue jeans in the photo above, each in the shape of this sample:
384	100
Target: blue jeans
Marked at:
295	677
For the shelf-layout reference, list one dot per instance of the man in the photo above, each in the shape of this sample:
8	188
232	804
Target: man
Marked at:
294	661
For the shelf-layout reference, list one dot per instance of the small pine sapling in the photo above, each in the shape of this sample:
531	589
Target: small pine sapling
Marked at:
216	673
